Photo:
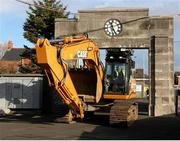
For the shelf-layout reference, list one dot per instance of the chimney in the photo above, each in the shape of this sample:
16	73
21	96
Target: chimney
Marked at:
9	45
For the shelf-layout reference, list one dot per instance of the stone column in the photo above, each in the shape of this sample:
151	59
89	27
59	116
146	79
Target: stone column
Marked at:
163	96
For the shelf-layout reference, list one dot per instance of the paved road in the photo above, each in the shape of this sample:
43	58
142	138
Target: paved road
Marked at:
37	127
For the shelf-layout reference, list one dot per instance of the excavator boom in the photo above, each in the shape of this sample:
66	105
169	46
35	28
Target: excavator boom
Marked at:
57	69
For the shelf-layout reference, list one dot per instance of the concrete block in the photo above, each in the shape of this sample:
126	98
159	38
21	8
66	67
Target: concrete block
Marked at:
65	27
164	109
161	22
160	41
165	74
165	100
123	43
162	83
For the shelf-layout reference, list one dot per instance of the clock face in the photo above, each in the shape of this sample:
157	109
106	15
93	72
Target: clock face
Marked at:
113	27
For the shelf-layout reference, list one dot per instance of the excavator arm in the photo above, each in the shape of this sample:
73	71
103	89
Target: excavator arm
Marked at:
56	68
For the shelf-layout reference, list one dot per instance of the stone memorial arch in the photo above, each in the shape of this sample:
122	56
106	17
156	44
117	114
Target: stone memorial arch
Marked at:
139	31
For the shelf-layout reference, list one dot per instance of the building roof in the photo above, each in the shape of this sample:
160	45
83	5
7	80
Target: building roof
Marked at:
177	73
139	73
13	54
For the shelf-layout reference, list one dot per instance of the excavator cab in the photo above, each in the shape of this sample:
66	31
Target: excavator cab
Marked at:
120	87
118	71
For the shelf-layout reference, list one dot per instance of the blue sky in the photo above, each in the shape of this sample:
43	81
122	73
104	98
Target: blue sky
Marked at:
13	15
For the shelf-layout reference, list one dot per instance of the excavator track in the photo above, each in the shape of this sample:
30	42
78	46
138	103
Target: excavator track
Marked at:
123	113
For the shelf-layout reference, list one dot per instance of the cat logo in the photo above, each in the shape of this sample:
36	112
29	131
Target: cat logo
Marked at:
82	54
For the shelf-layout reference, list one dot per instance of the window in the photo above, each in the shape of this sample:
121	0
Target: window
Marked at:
115	77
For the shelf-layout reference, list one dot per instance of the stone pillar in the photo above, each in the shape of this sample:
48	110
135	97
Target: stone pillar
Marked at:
162	77
162	99
164	67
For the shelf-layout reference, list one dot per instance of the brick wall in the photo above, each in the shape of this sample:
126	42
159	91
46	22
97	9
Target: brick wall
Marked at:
8	67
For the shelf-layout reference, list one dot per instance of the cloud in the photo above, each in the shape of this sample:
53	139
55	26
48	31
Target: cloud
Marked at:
166	8
158	7
7	6
103	4
14	7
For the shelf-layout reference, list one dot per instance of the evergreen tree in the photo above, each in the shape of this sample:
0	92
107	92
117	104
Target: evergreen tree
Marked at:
40	21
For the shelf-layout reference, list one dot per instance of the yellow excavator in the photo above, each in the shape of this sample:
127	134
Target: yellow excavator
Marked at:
73	67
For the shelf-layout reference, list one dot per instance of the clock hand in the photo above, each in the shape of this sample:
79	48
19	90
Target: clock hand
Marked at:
112	27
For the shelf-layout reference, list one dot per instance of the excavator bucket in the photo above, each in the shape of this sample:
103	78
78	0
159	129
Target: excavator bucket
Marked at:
87	73
87	84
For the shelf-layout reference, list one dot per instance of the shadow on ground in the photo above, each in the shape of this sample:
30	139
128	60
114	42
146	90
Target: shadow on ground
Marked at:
27	118
165	127
34	117
93	127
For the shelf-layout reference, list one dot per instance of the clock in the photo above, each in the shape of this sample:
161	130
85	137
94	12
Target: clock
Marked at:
113	27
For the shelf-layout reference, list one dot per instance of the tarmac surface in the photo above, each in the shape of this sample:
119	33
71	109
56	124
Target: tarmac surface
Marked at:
30	125
38	127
